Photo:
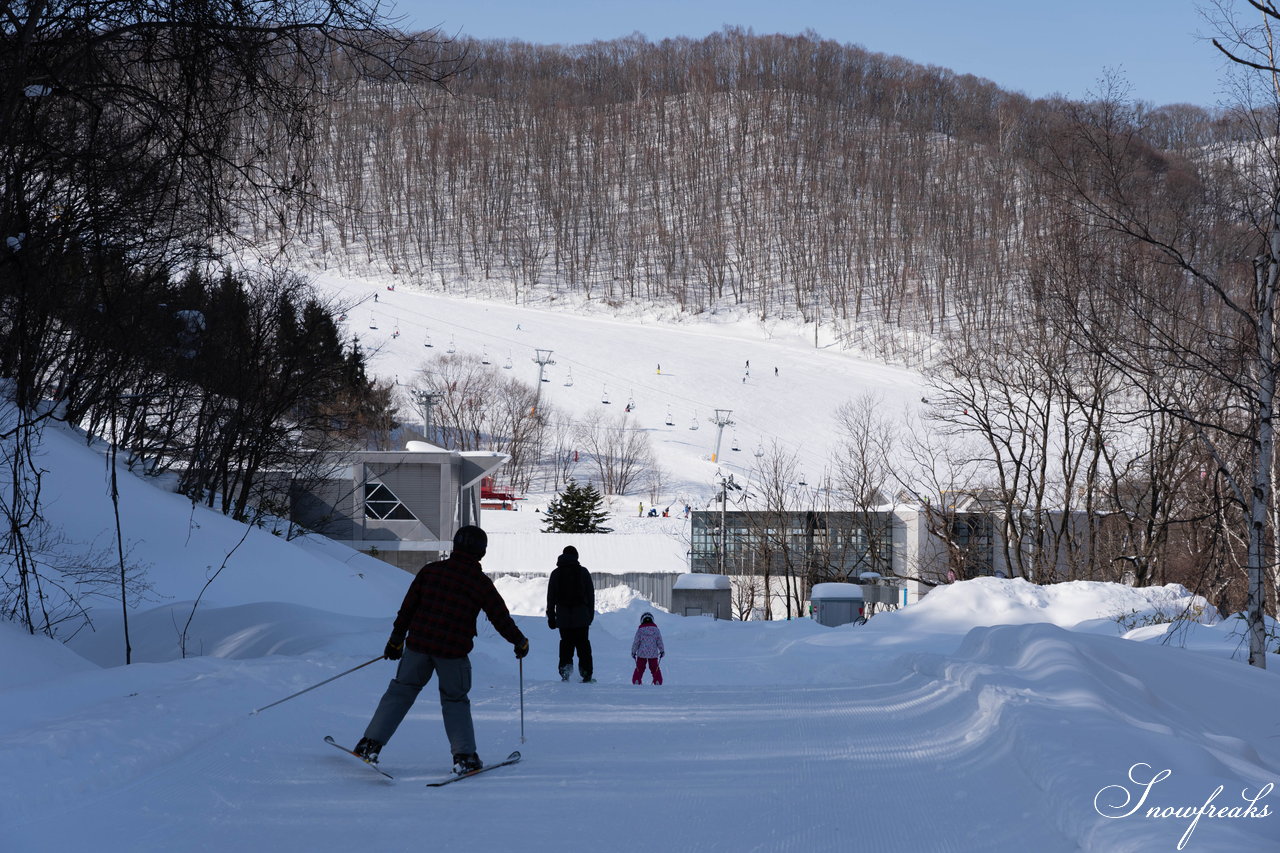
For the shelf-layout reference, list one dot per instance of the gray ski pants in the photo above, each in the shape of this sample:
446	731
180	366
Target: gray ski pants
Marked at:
453	678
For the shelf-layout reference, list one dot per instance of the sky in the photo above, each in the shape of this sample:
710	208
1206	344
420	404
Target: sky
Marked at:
1056	707
1032	46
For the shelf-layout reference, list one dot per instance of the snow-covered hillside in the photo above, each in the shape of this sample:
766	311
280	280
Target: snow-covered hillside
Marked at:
776	384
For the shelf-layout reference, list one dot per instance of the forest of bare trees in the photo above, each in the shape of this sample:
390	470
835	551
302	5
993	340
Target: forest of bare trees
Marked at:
789	175
1074	278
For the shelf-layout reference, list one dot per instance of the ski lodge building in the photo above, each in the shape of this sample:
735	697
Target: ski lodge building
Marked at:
402	506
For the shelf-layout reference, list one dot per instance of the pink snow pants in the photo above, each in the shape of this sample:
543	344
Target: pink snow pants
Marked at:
652	663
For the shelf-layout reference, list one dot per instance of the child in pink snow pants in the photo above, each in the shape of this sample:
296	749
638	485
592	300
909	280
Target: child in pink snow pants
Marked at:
647	648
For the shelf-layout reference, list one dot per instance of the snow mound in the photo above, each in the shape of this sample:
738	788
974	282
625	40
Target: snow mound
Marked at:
1007	686
238	632
28	659
1079	605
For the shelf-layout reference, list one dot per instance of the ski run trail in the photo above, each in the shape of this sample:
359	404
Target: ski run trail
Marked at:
782	736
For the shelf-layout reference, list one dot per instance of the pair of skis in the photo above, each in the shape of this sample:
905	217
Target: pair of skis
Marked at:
510	759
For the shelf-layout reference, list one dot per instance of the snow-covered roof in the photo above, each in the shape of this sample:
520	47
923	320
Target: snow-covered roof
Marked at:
835	591
702	581
423	447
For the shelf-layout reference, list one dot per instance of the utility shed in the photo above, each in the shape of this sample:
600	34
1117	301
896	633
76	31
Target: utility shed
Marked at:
837	603
702	594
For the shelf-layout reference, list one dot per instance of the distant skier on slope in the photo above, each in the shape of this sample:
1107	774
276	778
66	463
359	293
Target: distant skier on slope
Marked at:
571	607
437	621
647	650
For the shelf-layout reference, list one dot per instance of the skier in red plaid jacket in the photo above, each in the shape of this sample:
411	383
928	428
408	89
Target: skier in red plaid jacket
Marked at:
433	633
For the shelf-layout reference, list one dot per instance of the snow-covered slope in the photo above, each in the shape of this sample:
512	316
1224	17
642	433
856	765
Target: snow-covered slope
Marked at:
926	730
769	375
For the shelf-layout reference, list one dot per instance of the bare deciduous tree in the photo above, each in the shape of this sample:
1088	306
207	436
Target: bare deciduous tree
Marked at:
1205	315
620	451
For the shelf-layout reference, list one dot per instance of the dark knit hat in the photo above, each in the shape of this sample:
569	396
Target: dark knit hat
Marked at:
570	551
471	540
646	617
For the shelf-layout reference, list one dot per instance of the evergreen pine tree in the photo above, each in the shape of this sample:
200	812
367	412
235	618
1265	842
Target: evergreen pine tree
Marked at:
578	509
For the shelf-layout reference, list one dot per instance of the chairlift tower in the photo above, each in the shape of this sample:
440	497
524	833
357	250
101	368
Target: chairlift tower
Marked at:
721	419
543	358
425	400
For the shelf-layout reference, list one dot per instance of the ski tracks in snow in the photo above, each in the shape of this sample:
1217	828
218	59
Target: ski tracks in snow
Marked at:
699	776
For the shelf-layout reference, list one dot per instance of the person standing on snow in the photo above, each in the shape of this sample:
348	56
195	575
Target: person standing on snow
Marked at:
433	634
571	606
647	649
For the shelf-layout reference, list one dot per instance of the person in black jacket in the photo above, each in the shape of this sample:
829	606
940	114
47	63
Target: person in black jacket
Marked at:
571	605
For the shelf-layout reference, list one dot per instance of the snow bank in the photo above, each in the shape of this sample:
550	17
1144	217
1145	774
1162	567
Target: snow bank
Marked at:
179	548
1081	605
25	659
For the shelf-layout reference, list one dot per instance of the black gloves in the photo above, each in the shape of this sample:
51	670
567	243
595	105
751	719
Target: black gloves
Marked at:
522	648
661	655
551	622
394	650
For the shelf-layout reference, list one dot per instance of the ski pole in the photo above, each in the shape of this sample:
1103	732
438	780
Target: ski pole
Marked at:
314	686
522	700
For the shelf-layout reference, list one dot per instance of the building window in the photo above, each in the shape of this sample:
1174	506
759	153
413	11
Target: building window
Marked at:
381	502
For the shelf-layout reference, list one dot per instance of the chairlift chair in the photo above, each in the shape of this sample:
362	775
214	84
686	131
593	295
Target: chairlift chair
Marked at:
452	347
568	380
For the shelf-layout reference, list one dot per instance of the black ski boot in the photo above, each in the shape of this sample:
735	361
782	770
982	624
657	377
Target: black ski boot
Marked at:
368	749
466	762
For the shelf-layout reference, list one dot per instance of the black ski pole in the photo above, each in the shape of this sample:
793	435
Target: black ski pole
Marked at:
314	686
522	700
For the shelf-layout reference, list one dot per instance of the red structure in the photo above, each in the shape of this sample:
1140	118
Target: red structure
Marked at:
496	497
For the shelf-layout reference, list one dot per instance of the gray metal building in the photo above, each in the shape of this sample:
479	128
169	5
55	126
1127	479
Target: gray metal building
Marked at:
400	506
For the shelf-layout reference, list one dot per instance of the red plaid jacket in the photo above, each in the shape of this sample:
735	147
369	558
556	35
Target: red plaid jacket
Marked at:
439	611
